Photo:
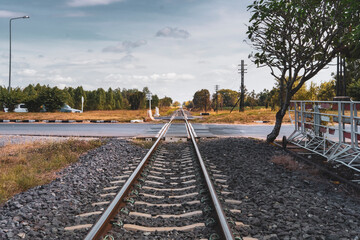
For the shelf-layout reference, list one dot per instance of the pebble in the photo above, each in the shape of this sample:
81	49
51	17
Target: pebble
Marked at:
44	211
279	203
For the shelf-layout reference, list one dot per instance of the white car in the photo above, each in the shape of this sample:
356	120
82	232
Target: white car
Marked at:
19	108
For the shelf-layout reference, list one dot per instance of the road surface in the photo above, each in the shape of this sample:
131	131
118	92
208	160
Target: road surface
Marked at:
135	130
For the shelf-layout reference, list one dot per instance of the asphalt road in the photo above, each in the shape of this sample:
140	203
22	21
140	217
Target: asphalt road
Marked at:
135	130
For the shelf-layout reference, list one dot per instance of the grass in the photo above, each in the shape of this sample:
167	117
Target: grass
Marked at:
28	165
287	162
291	164
249	116
118	115
143	144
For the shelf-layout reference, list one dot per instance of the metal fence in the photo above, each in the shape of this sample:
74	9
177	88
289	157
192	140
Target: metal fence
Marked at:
328	128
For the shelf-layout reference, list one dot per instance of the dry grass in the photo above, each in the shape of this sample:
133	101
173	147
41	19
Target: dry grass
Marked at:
287	162
249	116
291	164
118	115
28	165
143	144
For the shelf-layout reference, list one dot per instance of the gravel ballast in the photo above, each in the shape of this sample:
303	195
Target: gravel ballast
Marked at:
43	212
277	203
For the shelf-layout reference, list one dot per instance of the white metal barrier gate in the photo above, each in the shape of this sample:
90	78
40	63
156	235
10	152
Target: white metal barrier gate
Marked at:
330	129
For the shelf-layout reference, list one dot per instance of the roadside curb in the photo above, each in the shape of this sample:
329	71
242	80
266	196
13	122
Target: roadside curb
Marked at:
55	121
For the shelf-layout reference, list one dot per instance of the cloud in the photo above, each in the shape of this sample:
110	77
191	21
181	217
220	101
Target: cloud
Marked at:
173	33
58	79
128	58
76	14
27	72
9	14
86	3
126	46
160	78
171	77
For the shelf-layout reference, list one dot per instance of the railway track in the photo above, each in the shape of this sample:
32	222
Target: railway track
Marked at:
170	194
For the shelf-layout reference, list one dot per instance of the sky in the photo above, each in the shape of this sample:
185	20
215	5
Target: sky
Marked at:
173	47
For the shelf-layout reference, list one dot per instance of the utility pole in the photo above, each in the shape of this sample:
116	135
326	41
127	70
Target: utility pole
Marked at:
242	87
11	19
217	98
341	79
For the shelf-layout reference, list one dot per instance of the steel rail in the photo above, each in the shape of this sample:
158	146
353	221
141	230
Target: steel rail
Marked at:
102	224
226	231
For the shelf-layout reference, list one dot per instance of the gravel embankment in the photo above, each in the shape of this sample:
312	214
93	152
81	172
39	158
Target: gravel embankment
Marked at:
277	203
43	212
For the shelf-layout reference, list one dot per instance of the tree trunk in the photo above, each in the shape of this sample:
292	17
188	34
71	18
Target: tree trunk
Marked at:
279	118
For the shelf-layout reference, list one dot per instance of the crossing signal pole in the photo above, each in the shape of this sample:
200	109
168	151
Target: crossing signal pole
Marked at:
242	87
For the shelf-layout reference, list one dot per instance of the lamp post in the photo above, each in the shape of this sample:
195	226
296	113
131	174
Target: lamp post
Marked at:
10	47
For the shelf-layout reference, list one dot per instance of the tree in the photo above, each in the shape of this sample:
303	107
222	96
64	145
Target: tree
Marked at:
229	97
264	98
188	104
110	100
251	99
298	38
100	98
12	98
118	99
154	101
201	99
52	98
176	104
136	100
165	102
31	100
78	93
326	91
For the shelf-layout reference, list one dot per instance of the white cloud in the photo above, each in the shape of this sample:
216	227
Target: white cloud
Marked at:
76	14
172	77
128	58
58	79
126	46
10	14
85	3
173	33
27	72
161	78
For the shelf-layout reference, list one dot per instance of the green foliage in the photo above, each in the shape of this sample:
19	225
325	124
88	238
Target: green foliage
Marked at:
52	98
298	38
154	101
165	102
188	104
78	93
10	99
136	99
354	90
228	97
201	99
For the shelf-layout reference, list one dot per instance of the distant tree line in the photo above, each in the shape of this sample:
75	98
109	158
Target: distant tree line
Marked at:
227	98
38	97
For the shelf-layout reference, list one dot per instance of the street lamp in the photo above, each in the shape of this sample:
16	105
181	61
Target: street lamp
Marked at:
10	48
